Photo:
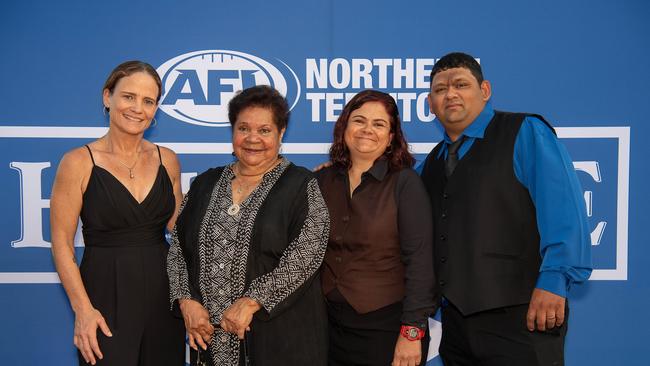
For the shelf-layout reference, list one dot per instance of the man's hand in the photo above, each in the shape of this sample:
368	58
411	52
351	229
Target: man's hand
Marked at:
407	353
546	310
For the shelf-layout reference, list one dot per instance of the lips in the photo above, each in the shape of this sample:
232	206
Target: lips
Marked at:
132	118
365	138
252	151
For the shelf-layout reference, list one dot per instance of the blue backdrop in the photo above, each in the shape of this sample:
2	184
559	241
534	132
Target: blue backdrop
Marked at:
582	64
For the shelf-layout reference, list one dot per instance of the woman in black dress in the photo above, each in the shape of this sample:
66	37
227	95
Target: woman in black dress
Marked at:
247	247
126	191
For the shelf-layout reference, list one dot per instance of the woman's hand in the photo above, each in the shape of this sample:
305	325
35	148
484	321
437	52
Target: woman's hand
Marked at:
197	323
322	166
238	316
85	333
407	353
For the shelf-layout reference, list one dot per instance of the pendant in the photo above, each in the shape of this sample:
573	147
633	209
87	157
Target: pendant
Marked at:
131	174
233	209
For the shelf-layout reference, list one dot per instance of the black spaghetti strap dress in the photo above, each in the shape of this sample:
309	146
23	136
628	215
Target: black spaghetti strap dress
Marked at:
124	270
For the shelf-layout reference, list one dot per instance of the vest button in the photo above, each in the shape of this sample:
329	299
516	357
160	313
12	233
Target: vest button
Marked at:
445	195
443	238
338	259
338	238
444	215
345	218
443	259
442	283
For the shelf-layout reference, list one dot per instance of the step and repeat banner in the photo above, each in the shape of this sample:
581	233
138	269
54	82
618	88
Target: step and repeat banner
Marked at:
582	65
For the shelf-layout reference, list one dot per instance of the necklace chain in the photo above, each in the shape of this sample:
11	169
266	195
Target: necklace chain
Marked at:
130	168
235	207
240	185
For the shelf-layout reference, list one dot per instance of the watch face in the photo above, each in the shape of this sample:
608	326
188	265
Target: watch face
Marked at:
413	333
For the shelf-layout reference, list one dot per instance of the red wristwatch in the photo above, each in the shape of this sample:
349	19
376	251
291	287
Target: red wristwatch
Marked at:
411	333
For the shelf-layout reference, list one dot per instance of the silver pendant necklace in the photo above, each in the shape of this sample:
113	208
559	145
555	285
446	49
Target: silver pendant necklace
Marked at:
235	207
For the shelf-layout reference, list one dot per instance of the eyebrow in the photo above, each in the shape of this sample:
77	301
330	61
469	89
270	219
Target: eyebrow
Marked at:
248	124
364	117
136	94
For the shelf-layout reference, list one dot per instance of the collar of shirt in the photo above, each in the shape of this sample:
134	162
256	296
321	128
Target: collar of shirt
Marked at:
476	130
378	170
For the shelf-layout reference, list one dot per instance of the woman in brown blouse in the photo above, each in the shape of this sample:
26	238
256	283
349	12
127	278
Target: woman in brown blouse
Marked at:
378	269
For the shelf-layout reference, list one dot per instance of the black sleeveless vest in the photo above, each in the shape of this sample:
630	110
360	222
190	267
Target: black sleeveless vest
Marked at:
487	243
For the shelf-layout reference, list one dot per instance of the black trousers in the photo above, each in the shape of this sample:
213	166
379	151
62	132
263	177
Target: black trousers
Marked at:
365	339
499	337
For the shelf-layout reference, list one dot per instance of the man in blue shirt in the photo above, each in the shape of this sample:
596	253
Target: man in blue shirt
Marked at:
510	224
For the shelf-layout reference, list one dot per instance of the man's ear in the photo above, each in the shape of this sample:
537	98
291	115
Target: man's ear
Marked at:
486	90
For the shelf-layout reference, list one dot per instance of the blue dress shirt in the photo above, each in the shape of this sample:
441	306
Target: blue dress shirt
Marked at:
542	165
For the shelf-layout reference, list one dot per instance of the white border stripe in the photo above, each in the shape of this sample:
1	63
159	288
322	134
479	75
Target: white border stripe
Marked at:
51	132
178	147
29	277
621	133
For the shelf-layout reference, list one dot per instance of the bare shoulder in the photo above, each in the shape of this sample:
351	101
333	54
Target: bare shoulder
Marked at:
76	160
74	170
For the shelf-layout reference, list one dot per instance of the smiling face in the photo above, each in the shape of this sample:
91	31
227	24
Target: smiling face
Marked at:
457	99
132	104
256	138
368	133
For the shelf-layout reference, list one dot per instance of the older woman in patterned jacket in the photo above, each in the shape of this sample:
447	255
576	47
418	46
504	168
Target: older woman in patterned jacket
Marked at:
247	246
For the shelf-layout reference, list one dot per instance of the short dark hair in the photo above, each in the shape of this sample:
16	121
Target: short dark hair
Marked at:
398	154
454	60
262	96
129	68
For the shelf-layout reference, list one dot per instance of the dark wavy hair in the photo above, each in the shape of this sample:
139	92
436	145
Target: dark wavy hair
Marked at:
262	96
398	154
129	68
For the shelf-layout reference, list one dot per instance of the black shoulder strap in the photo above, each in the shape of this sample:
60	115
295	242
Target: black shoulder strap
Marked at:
159	156
91	154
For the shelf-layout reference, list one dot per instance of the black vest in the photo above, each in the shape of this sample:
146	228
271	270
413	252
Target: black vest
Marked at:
487	244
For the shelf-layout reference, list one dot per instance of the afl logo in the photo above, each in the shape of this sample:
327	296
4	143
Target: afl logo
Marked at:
197	86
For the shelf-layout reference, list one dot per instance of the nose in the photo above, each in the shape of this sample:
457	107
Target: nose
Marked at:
367	128
253	137
137	105
451	93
